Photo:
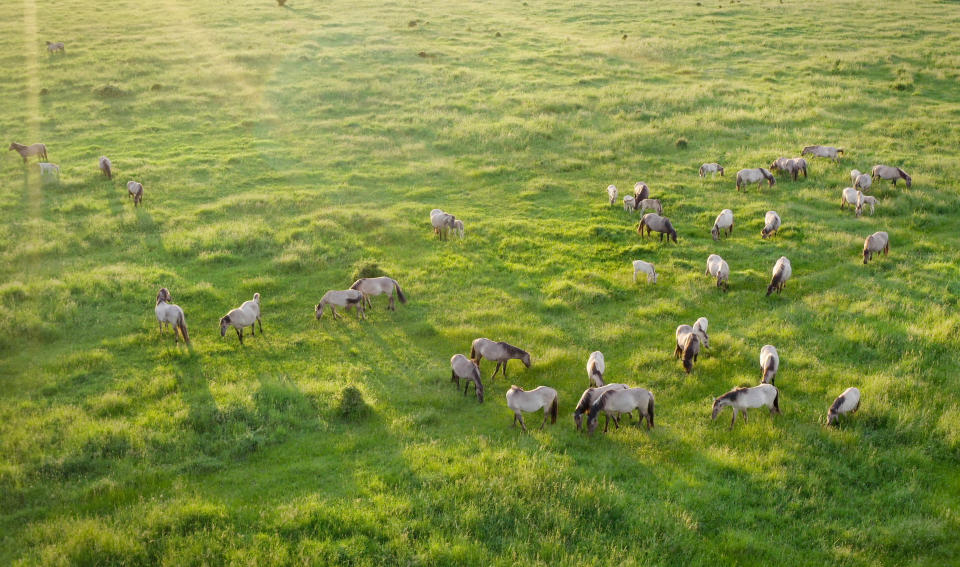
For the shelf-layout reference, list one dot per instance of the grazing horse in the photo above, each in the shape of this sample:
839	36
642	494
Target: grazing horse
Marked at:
520	400
847	402
824	152
105	167
645	267
688	346
629	203
781	273
442	223
170	314
612	194
652	204
595	368
464	368
39	150
861	181
850	196
710	168
379	286
771	224
756	175
499	351
620	401
769	364
793	166
878	172
589	396
656	223
640	192
718	268
345	298
135	190
49	170
247	315
55	46
458	228
700	328
723	224
866	200
874	244
742	399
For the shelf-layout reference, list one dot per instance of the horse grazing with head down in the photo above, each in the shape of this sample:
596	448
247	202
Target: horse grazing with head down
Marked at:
884	172
247	315
618	401
595	368
345	298
640	191
710	168
612	194
464	368
874	244
769	364
847	402
742	399
656	223
718	268
646	268
723	224
499	351
756	175
781	273
793	166
520	400
379	286
589	396
688	346
135	190
771	224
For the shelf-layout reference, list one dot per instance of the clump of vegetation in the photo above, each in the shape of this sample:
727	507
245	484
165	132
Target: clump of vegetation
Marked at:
367	269
109	91
352	406
904	80
681	143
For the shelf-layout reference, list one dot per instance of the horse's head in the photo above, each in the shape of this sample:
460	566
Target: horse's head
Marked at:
715	232
905	177
866	254
672	233
163	295
840	151
256	297
479	389
224	323
592	420
716	408
765	232
319	310
12	147
525	359
578	420
652	278
721	172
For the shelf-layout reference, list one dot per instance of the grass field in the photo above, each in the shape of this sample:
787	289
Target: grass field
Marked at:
280	148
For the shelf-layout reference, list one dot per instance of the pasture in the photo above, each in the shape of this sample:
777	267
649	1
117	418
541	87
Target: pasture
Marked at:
283	149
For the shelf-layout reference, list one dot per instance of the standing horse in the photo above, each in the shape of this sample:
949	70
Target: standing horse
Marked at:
700	328
170	314
105	167
37	149
848	401
688	346
718	268
612	194
595	368
645	267
589	396
463	367
345	298
499	351
824	152
378	286
710	168
656	223
640	192
771	224
742	399
781	273
878	172
247	315
793	166
135	190
874	244
723	224
769	364
621	401
757	175
55	46
520	400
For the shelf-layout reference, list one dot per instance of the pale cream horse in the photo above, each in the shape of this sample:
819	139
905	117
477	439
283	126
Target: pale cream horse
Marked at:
170	314
520	400
247	315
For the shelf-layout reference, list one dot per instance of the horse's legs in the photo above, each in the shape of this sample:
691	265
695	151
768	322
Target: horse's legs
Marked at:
253	328
334	311
239	334
363	312
744	415
522	424
160	324
495	370
544	422
732	421
260	323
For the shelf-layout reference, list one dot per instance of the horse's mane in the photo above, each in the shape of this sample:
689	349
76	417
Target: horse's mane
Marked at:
903	173
687	344
837	403
766	174
596	406
733	394
512	349
584	404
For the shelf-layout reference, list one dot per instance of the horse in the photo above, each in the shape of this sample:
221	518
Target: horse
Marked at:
463	367
793	166
652	204
847	402
442	223
247	315
700	327
718	268
135	190
640	191
688	346
742	399
629	203
850	196
757	175
499	351
656	223
612	194
587	399
458	228
771	224
345	298
378	286
878	172
866	200
645	267
38	149
711	168
824	152
520	400
861	181
595	368
49	170
874	244
55	46
723	223
769	364
781	273
105	167
621	401
170	314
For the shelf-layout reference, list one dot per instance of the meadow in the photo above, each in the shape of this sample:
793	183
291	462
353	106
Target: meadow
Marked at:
282	150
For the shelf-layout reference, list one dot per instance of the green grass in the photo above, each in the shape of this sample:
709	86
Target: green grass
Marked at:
284	149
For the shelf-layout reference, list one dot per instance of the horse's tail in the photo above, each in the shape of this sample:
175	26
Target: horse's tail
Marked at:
473	353
400	296
138	197
650	411
553	410
182	325
777	278
106	168
776	401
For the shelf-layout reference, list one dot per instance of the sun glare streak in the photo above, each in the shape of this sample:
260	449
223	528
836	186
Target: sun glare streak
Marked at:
33	194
